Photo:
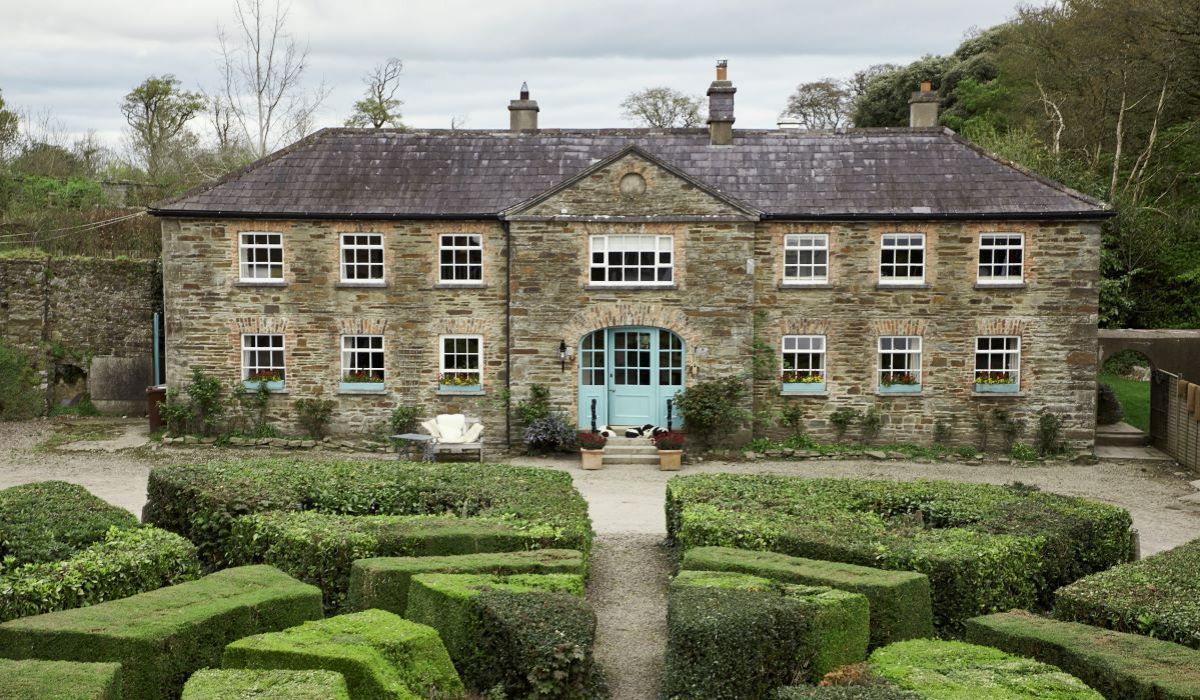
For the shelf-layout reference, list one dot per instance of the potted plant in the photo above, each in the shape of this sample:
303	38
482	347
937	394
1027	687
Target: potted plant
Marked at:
591	449
271	378
995	383
899	383
802	382
362	380
458	382
670	450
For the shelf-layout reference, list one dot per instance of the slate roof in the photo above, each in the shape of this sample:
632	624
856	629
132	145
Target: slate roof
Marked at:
786	173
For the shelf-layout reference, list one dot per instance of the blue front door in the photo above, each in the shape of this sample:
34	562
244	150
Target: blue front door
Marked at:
628	375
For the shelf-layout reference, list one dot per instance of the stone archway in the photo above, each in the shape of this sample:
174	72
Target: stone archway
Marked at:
598	316
1174	351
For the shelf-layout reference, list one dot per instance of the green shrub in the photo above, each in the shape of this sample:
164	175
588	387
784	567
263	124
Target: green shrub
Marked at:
899	600
381	655
205	402
246	684
942	670
834	692
529	634
127	562
536	406
52	520
714	409
161	637
313	416
319	549
59	680
404	419
1119	665
842	418
984	548
20	398
552	433
383	582
732	635
1158	596
200	501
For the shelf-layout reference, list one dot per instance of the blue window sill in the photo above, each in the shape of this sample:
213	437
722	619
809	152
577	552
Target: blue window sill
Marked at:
468	389
273	387
361	387
802	388
899	389
996	389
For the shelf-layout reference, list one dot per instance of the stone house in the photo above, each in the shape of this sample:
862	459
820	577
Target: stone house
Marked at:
902	268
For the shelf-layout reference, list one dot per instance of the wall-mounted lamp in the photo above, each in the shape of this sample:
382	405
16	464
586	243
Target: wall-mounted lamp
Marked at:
562	354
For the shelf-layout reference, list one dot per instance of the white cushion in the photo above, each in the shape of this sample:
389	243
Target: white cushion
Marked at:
473	433
431	427
452	426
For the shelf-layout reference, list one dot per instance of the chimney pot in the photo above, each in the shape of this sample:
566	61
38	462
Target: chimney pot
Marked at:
525	90
926	86
723	69
720	107
923	107
523	112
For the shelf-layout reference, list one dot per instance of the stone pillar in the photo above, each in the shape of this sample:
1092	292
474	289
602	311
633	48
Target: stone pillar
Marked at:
523	112
720	107
923	107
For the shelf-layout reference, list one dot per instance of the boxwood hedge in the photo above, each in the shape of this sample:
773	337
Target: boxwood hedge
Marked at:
32	679
381	655
127	562
984	548
161	637
257	684
732	635
1157	596
52	520
1119	665
524	635
843	692
900	603
201	501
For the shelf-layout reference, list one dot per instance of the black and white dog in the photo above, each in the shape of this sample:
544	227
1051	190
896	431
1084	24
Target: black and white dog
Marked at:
647	430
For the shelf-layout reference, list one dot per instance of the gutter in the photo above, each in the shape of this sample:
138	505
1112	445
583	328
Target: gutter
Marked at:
508	248
221	214
1098	215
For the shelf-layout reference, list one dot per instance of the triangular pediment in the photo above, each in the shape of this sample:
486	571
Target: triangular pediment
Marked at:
633	184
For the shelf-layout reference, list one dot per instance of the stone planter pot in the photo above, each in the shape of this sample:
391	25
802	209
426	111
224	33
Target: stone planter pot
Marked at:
669	460
360	387
996	388
459	388
252	385
591	459
802	388
899	389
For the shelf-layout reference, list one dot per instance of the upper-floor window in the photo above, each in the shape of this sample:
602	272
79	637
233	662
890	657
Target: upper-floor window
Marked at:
997	363
262	359
260	256
900	363
803	359
460	258
362	257
1001	258
362	359
902	258
806	258
461	361
632	260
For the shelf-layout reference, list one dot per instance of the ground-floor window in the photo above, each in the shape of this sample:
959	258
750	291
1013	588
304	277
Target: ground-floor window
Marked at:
461	361
262	357
899	362
997	361
362	359
803	359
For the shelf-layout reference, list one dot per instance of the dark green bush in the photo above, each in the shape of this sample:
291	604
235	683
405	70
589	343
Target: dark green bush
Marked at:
1158	596
269	684
984	548
59	680
319	549
735	636
127	562
161	637
1119	665
313	416
946	670
20	398
381	655
201	501
552	433
714	410
899	600
52	520
383	582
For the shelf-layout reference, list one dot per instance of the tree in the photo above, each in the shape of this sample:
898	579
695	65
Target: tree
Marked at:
9	128
662	108
157	112
823	104
379	107
262	68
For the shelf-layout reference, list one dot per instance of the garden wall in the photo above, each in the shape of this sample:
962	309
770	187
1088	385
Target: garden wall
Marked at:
1183	422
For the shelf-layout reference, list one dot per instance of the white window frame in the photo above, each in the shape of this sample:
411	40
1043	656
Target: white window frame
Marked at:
817	244
896	248
474	243
602	245
350	351
443	369
816	349
1007	354
913	350
251	353
1008	247
248	250
351	247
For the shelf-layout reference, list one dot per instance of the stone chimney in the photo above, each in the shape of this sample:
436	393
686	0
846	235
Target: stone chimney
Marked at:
720	107
523	112
923	107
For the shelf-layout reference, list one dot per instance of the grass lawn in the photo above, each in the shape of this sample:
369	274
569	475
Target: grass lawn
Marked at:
1134	397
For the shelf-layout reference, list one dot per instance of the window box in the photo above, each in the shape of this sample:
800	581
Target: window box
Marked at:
460	388
899	389
253	384
360	387
802	388
1010	388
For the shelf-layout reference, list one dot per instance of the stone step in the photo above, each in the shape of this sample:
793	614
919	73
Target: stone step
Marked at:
630	449
1121	435
630	459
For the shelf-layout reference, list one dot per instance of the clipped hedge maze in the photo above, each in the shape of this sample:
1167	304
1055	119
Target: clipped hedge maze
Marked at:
161	637
59	680
381	655
383	582
984	548
1157	596
52	520
899	600
243	684
527	635
733	635
1119	665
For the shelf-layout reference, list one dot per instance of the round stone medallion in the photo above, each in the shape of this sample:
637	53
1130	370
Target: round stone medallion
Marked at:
632	185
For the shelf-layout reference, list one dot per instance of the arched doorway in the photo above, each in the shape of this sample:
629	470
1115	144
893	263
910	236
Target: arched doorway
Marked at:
629	375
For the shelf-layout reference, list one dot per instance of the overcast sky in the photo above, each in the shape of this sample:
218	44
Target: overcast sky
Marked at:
76	59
